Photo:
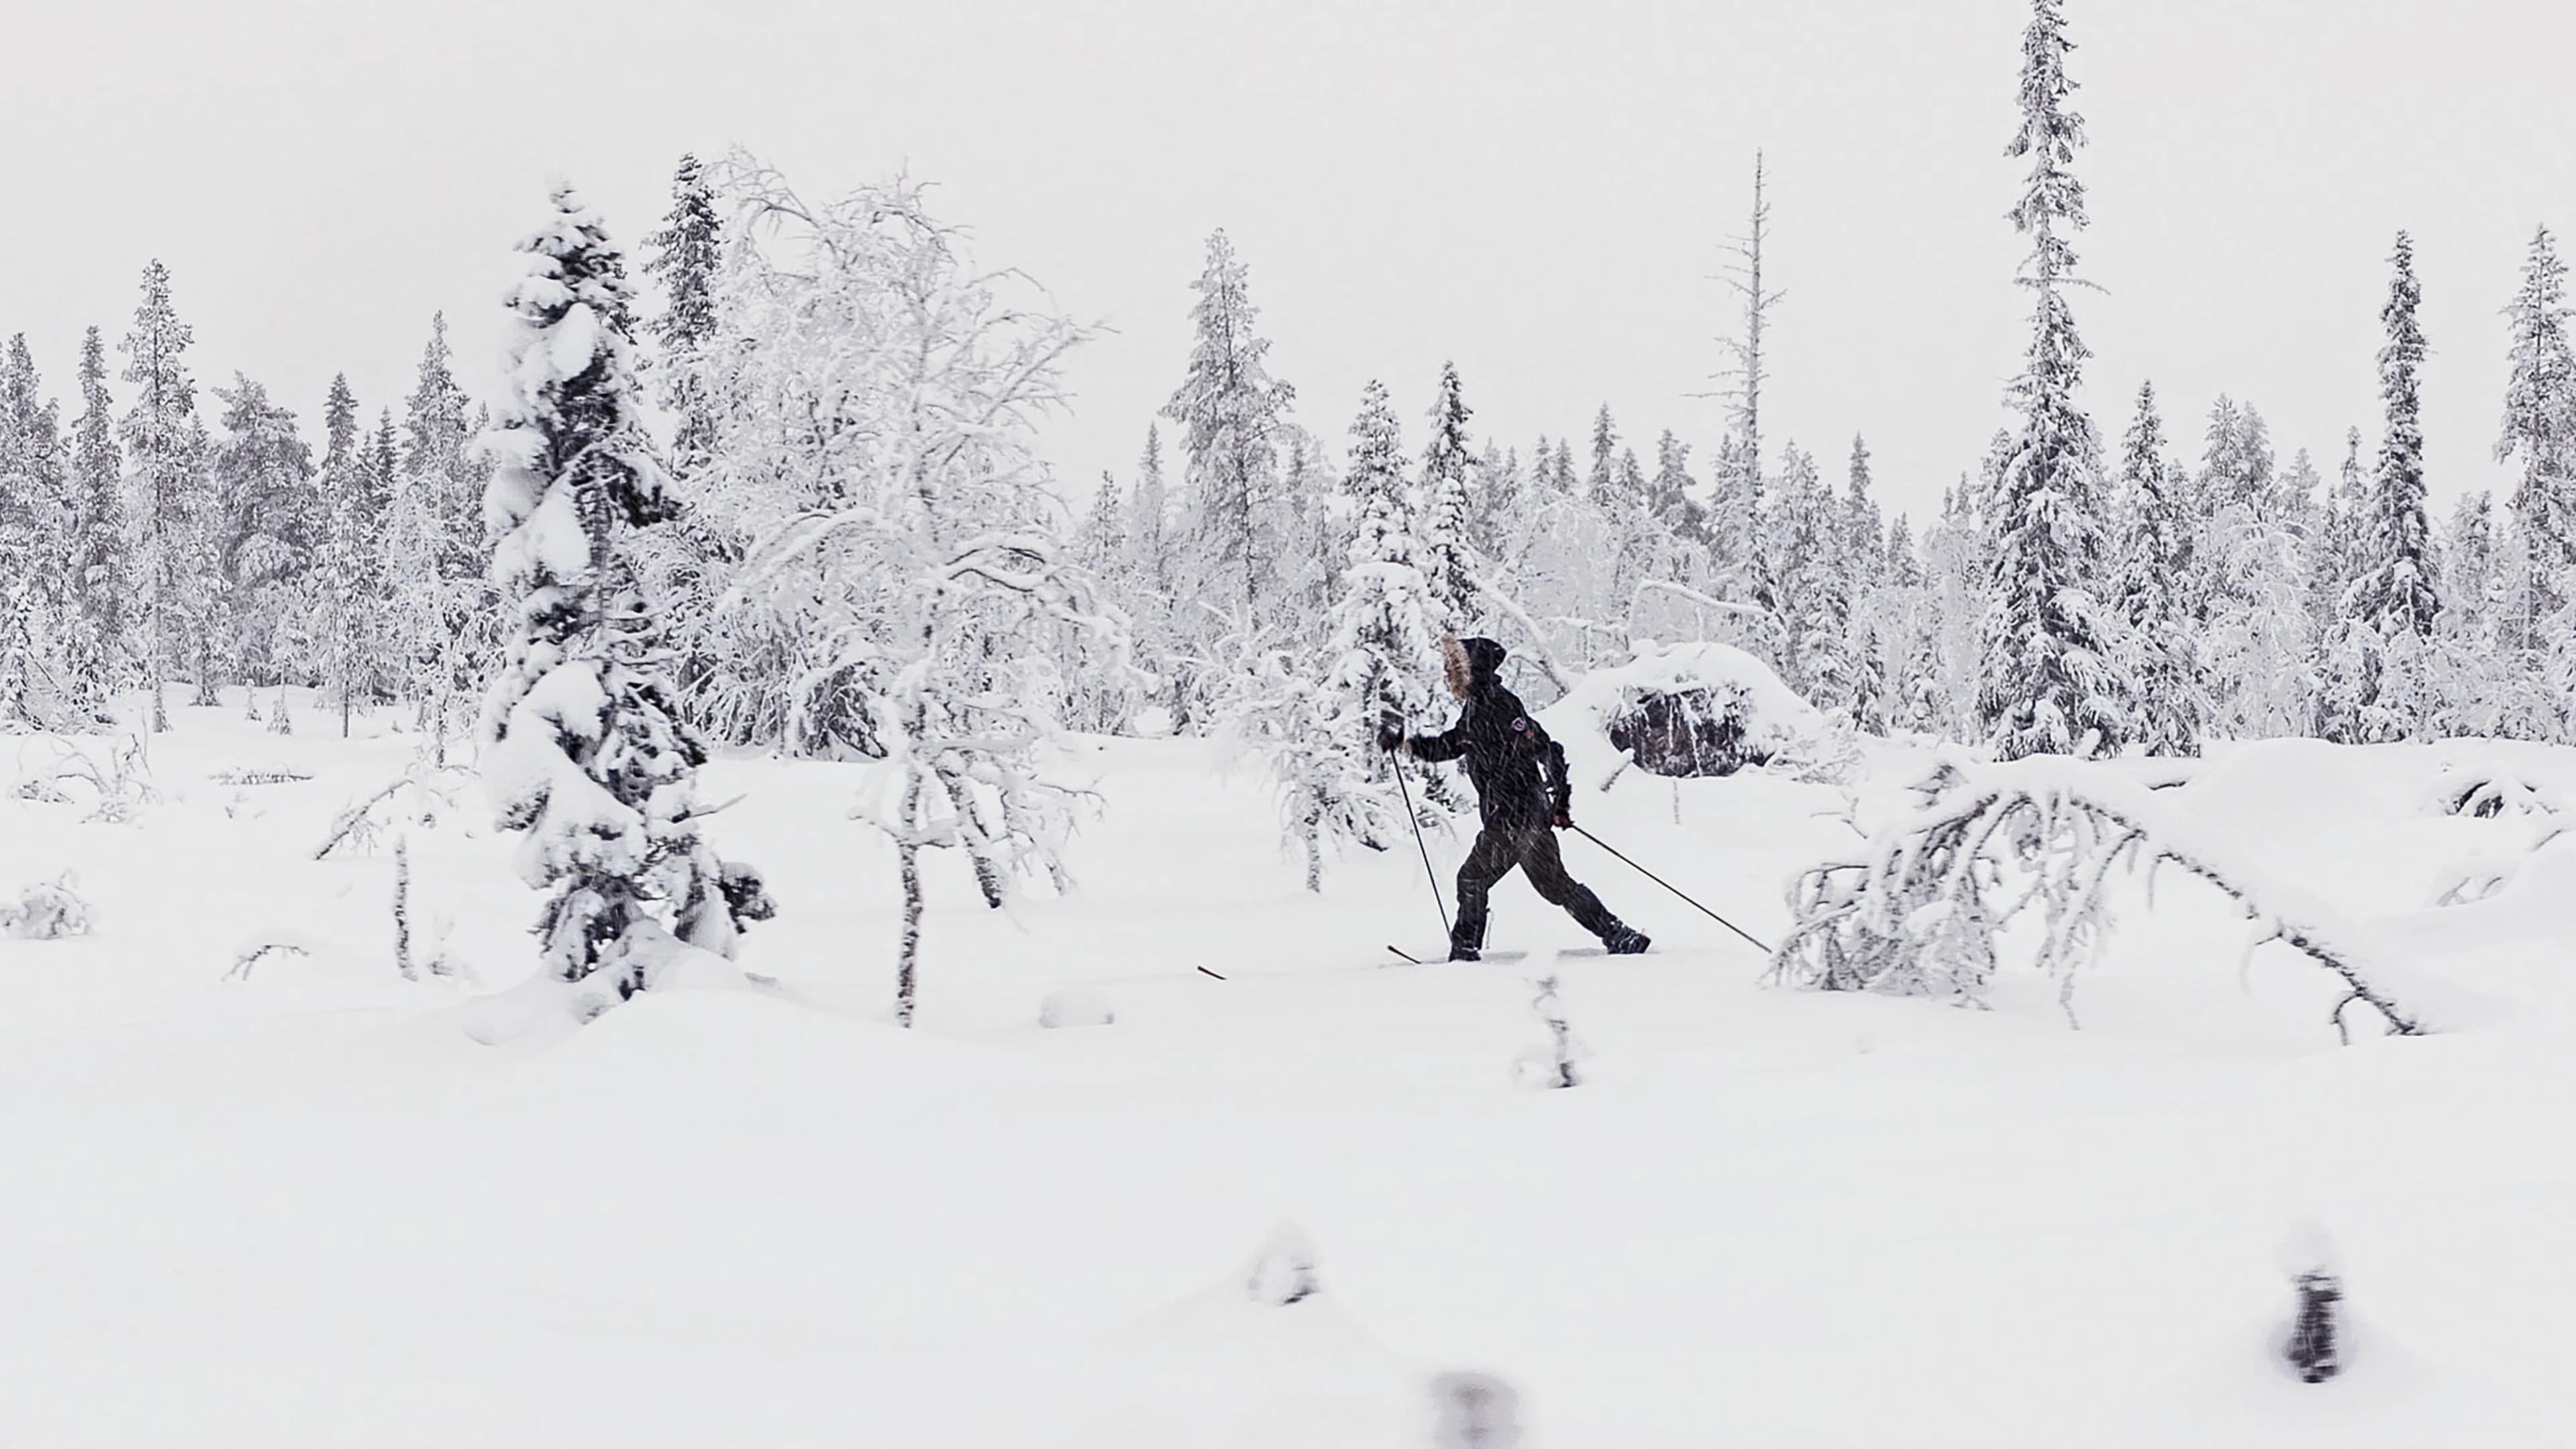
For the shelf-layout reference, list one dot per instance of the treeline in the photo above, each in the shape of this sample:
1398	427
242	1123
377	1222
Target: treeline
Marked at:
193	534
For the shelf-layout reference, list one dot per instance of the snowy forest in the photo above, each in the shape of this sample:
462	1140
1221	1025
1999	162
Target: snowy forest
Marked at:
863	554
687	882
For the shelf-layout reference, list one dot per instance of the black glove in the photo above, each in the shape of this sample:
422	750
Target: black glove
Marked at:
1389	738
1564	816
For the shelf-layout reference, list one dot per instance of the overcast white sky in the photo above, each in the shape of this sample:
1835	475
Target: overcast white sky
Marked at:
1538	191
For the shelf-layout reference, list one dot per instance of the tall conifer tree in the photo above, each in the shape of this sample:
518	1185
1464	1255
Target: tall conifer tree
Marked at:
2048	684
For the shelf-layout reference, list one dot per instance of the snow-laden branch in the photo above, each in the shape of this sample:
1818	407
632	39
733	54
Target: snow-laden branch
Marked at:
1919	914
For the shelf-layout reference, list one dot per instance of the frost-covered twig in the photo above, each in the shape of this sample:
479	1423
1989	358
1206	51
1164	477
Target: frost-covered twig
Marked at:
357	824
258	947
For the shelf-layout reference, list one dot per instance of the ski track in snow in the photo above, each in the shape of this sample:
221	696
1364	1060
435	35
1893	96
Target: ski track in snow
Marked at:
306	1209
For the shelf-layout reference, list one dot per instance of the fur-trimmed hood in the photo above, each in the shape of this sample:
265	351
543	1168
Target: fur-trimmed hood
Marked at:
1469	662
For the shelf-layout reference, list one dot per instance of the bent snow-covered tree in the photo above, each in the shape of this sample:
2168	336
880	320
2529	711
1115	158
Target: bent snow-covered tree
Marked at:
584	752
1919	914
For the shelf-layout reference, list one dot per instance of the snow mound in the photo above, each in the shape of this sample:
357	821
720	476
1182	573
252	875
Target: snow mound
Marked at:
1262	1358
1687	710
1075	1006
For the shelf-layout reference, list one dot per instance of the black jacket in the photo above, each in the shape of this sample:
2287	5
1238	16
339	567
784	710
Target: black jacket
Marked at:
1519	773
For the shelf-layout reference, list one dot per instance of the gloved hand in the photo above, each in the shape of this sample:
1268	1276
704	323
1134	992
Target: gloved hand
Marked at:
1564	818
1389	738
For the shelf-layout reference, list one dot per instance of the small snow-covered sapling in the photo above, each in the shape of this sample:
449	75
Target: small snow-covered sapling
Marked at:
1477	1411
2314	1335
1553	1066
2315	1345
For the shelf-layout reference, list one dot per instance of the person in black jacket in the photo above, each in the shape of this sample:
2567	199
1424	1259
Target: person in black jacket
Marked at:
1521	791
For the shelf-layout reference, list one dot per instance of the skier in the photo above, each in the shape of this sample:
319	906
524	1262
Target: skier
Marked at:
1521	790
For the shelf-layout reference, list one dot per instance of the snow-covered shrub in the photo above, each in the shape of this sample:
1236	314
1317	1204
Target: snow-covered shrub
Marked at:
1075	1006
1283	1271
119	787
46	911
1919	913
1689	710
2487	795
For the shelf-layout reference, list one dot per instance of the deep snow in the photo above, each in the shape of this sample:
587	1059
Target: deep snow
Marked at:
306	1208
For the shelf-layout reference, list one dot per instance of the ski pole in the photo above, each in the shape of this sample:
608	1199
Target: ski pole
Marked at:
1428	873
1668	885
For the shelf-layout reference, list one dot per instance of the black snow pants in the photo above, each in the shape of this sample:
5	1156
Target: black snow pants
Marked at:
1531	845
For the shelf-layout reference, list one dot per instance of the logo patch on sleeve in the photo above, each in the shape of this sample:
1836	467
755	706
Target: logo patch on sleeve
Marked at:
1520	723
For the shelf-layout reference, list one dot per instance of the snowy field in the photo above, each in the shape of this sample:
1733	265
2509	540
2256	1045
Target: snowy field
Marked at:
308	1207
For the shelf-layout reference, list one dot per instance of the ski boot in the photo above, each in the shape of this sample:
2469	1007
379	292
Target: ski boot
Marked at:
1624	940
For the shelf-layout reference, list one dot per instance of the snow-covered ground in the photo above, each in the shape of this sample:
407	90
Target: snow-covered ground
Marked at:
308	1208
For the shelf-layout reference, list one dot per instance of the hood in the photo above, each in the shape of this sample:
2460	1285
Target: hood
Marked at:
1469	662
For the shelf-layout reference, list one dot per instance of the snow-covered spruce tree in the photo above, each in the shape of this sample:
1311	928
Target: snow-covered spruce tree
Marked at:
1384	632
911	536
584	753
2468	684
1669	493
437	457
2334	564
1501	491
2251	578
1449	561
1154	568
1102	703
348	621
1863	529
1228	409
687	252
36	589
1296	521
1860	547
2540	429
1804	527
1602	482
165	494
272	524
2381	660
440	611
2048	684
2156	561
96	643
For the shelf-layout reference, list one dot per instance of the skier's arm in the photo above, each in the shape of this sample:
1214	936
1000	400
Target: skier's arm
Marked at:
1449	744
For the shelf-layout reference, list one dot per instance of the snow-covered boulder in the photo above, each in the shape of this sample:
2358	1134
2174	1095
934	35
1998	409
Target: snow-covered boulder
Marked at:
1687	710
1075	1006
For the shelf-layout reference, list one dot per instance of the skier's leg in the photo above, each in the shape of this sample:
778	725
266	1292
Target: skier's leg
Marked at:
1546	868
1488	861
